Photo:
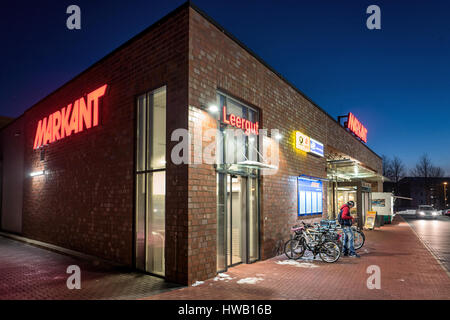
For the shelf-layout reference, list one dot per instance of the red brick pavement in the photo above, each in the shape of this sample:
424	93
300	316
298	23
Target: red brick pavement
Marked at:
29	273
408	271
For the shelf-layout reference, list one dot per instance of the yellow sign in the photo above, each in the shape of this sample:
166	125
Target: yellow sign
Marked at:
370	219
302	142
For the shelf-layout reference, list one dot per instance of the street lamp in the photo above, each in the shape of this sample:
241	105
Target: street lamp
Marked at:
445	195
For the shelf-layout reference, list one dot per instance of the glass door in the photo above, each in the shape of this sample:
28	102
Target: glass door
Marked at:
366	204
237	220
346	194
253	220
236	207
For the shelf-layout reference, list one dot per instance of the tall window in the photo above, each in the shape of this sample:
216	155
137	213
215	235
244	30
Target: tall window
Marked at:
151	181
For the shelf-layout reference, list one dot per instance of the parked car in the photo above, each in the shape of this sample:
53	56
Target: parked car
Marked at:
426	211
446	212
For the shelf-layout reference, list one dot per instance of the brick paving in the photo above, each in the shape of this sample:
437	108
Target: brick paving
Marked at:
29	272
408	271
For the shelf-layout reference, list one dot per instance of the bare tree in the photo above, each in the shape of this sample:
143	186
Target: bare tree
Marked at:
424	168
386	165
437	172
394	170
397	169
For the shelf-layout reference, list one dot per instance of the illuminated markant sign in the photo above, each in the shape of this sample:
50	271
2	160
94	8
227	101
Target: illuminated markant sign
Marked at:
238	122
356	127
77	116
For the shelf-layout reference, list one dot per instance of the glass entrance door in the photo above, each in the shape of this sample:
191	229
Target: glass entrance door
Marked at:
236	207
366	204
237	220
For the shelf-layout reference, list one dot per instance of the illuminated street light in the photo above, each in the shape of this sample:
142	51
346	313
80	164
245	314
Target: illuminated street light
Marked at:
445	194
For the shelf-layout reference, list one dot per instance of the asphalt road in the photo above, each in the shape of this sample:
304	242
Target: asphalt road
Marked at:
435	234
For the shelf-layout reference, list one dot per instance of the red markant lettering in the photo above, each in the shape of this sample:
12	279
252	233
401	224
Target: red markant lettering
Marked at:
74	118
241	123
356	127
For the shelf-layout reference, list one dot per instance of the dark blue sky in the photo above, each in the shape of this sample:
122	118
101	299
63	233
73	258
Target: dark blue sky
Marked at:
395	80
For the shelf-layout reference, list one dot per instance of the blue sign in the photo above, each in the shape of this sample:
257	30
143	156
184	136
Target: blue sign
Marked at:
310	200
316	147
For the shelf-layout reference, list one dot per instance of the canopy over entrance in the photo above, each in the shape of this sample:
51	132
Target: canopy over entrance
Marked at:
348	170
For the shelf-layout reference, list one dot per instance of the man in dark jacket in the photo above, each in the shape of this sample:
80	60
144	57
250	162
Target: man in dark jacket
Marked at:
349	248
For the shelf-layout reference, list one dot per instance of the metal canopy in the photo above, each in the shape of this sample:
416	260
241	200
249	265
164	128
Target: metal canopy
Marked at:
256	165
347	170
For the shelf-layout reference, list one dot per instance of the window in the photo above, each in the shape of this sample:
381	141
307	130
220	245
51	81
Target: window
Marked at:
310	201
239	146
151	181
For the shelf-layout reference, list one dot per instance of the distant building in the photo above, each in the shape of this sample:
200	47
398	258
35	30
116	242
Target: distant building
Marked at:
422	191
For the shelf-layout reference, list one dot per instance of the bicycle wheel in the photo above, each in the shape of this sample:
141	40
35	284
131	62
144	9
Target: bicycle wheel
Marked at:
359	239
294	249
329	252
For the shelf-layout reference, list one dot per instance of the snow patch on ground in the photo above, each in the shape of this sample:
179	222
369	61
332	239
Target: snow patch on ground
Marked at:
197	283
250	280
297	264
223	277
310	257
410	212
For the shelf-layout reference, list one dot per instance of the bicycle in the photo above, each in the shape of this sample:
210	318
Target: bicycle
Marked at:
359	238
278	248
316	241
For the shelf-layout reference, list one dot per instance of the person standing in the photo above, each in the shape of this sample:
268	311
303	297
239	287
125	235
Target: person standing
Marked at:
347	221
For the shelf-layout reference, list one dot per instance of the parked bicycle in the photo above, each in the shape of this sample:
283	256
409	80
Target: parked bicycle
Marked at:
318	241
359	237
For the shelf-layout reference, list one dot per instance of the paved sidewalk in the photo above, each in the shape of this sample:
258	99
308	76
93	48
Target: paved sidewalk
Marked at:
408	271
29	272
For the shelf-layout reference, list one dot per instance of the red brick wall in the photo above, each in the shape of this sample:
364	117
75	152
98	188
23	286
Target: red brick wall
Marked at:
202	202
218	62
86	202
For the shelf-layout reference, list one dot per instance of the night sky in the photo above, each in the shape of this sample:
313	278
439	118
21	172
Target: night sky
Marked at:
395	80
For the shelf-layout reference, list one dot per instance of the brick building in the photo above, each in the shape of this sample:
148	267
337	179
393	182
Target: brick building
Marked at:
91	166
